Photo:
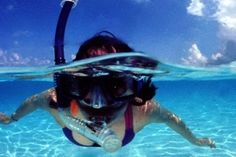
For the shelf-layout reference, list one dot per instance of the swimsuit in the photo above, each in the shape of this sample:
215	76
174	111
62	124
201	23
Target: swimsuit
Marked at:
129	131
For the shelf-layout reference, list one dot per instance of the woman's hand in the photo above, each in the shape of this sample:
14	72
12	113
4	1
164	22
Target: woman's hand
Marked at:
206	142
4	119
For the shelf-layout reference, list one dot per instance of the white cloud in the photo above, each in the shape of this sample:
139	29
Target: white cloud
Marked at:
16	56
224	13
195	57
1	52
142	1
216	56
16	42
196	8
10	7
228	54
15	59
24	33
226	17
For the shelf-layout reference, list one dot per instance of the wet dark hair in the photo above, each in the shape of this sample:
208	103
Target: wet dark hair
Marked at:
103	40
109	43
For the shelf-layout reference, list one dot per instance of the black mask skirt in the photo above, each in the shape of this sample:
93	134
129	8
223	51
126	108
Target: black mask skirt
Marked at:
97	97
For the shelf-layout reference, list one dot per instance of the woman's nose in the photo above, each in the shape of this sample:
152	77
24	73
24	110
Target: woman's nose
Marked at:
97	98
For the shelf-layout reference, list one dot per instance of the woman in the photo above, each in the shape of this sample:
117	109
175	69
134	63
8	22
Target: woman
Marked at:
98	103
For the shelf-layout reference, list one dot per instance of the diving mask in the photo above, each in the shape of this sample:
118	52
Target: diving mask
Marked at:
100	96
96	92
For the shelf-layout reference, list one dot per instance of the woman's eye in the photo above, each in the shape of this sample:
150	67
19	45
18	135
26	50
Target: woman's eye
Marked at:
115	86
119	87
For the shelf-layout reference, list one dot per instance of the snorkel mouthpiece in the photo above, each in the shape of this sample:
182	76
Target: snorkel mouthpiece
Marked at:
97	132
109	141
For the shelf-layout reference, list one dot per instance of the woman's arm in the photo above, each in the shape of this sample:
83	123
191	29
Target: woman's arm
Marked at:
31	104
162	115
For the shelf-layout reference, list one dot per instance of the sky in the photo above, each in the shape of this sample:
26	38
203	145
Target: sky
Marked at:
190	32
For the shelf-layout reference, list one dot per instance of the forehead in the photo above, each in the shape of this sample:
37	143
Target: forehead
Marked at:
100	51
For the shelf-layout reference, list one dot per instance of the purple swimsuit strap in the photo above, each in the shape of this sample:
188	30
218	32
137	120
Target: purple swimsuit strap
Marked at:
129	131
129	118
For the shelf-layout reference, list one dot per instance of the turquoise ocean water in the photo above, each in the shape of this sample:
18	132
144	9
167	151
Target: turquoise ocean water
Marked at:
207	104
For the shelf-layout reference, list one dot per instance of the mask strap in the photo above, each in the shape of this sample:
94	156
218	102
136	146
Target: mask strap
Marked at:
140	83
145	90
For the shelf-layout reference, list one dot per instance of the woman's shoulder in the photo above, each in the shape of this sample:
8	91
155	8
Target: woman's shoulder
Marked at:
143	114
146	109
44	98
50	94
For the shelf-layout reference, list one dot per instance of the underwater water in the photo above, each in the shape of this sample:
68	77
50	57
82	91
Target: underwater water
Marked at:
203	97
207	107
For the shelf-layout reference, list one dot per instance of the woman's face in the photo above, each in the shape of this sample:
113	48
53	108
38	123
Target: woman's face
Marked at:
106	114
98	96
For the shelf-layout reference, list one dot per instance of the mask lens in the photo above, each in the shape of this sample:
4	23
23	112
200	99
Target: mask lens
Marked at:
103	96
69	87
116	86
94	91
72	85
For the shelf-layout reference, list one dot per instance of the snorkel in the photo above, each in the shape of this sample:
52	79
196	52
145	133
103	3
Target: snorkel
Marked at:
60	30
96	131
